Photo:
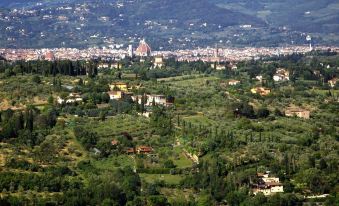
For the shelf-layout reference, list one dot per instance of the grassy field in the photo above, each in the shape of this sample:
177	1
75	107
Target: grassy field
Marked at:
113	127
179	78
182	161
112	163
178	194
167	178
200	120
194	82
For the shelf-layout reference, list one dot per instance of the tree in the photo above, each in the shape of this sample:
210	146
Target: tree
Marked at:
244	109
205	199
157	200
152	189
17	69
52	115
169	164
105	98
263	113
50	100
322	164
19	122
313	178
87	139
36	79
7	115
8	131
258	200
29	118
27	137
161	121
102	116
45	152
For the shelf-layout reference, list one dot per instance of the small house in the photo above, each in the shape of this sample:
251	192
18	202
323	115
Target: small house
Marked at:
259	78
144	150
333	82
130	150
233	82
298	112
267	185
158	62
72	98
115	95
122	86
150	99
262	91
103	66
114	142
281	75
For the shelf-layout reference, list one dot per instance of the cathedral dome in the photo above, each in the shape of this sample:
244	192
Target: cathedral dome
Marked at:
143	49
49	56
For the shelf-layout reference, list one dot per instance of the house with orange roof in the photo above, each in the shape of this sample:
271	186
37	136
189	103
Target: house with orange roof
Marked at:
262	91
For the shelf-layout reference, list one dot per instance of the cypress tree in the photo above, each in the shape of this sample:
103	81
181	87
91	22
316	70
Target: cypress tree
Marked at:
29	119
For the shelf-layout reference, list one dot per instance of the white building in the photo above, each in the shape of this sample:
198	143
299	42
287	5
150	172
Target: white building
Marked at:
103	66
157	99
158	62
268	185
259	78
149	99
130	50
233	82
281	75
333	82
115	95
72	98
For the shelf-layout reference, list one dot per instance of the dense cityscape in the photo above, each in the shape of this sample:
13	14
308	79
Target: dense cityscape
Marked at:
209	54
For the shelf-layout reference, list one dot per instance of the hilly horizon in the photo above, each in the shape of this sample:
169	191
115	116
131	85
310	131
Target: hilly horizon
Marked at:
167	23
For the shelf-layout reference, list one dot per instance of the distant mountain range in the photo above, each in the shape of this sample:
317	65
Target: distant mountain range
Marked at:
167	24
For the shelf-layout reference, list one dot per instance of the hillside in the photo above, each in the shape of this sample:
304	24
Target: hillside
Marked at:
182	134
167	23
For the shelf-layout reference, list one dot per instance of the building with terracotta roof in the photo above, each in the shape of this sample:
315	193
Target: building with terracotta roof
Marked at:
130	150
267	185
144	150
114	142
262	91
143	50
333	82
49	56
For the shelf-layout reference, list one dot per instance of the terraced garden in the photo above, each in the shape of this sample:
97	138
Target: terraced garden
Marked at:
117	126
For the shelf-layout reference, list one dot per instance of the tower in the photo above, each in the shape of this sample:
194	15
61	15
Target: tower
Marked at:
216	51
309	39
130	50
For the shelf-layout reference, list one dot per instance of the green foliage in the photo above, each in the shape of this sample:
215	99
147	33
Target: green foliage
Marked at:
87	138
169	164
161	121
263	113
228	130
36	79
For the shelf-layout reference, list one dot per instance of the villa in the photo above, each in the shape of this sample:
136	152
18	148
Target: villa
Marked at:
267	185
